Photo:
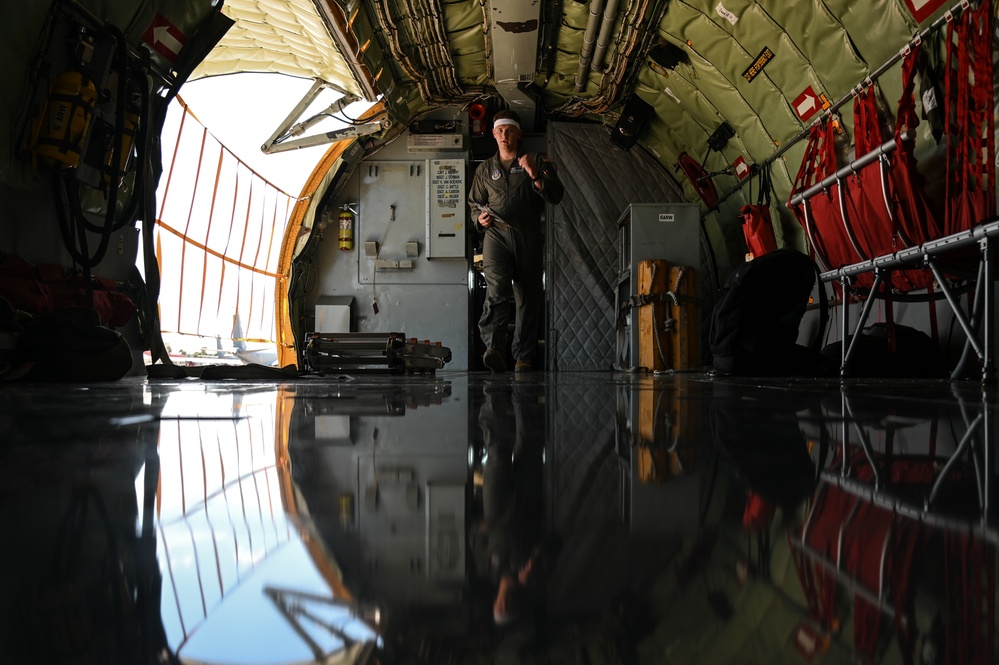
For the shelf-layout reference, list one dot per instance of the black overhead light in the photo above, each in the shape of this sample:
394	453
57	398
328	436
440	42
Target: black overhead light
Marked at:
719	139
667	56
633	119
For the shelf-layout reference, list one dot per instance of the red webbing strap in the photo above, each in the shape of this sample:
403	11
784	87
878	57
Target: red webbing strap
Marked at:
917	221
870	206
983	101
970	596
909	539
822	215
830	509
849	189
964	634
950	591
978	571
866	629
969	120
972	587
865	544
984	97
804	576
806	177
806	572
906	117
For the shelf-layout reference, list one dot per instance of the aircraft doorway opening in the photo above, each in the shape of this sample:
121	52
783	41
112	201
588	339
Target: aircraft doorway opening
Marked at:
224	208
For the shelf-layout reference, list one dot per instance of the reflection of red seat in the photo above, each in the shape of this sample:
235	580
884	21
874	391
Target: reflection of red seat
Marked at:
879	208
854	552
868	544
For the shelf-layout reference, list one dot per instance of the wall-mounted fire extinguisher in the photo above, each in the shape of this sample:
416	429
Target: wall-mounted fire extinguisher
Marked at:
62	126
129	128
345	236
477	115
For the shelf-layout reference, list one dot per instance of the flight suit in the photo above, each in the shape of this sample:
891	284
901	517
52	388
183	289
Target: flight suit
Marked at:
512	253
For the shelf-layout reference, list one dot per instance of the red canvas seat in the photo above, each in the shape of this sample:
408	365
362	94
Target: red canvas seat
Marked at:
881	208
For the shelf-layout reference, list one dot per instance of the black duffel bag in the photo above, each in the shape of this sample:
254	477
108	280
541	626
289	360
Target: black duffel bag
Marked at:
755	320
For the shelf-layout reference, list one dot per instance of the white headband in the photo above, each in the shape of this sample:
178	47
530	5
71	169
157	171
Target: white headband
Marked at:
506	121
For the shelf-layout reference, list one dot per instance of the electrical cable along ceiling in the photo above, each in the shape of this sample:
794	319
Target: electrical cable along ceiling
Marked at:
765	69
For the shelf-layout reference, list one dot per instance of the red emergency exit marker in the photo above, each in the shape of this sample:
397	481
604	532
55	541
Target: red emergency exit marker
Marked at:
166	38
741	167
806	104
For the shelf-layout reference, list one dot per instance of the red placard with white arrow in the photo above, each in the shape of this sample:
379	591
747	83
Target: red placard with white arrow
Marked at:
806	104
166	38
740	167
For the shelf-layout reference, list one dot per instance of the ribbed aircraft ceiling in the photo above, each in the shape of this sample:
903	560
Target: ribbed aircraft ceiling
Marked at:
424	53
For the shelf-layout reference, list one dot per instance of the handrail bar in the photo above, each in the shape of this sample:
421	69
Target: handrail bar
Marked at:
885	148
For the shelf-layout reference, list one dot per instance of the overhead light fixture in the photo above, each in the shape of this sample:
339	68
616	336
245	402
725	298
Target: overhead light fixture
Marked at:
719	139
633	119
668	56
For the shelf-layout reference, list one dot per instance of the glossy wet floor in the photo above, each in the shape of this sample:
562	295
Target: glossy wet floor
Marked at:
469	517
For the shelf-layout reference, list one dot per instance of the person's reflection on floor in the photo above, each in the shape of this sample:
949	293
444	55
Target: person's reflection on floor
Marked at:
508	544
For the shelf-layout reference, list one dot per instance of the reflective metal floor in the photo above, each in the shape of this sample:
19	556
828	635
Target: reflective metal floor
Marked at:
465	517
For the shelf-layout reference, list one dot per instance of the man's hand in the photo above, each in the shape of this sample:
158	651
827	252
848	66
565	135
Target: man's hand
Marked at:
527	164
485	219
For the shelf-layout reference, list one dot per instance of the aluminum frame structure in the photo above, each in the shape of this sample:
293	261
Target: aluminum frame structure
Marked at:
979	327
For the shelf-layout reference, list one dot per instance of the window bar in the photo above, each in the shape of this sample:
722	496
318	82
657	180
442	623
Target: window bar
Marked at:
208	235
242	246
225	249
173	582
187	226
173	161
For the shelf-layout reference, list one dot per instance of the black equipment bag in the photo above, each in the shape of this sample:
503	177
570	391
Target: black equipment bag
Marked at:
754	324
891	351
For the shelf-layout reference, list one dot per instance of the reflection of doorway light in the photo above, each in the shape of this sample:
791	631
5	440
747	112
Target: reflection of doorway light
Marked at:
224	534
309	613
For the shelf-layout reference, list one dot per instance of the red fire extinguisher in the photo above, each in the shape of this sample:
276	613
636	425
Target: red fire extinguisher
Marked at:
345	236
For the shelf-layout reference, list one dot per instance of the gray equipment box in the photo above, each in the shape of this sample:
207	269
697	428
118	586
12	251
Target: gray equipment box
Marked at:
648	231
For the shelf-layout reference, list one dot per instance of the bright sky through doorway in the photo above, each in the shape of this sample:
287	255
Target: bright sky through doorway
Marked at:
240	112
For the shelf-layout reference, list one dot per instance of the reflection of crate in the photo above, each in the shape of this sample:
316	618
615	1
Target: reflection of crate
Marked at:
667	420
656	465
